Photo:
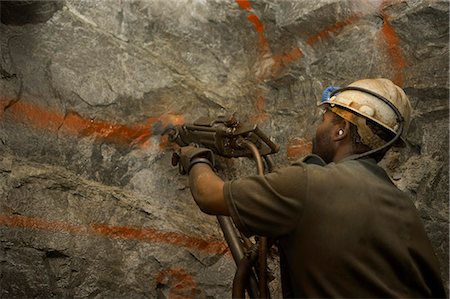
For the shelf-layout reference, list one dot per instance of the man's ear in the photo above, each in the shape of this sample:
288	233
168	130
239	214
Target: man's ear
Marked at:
342	130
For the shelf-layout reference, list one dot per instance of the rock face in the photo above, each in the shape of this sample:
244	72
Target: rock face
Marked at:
89	204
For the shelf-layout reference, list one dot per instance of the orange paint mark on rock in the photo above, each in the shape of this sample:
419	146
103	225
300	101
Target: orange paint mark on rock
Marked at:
264	54
216	247
29	113
181	284
244	4
283	60
331	29
259	26
267	63
163	143
73	123
298	148
122	232
260	115
41	224
392	41
263	43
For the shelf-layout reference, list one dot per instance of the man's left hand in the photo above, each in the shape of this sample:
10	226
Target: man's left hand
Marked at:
188	156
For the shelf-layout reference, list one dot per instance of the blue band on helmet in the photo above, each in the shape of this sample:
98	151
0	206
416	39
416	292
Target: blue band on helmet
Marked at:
327	92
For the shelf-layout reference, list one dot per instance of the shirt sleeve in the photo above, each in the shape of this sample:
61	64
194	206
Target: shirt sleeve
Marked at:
267	205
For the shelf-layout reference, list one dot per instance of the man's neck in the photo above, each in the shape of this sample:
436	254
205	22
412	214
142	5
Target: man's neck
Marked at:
343	151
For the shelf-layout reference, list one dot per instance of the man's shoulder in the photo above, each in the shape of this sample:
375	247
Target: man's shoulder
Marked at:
313	160
363	168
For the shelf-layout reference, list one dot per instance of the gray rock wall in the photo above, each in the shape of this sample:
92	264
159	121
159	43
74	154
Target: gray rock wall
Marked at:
89	204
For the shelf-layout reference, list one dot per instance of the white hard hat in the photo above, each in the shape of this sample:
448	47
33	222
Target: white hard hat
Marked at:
366	101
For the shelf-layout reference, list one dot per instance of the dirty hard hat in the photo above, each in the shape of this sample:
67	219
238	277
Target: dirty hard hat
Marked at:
358	106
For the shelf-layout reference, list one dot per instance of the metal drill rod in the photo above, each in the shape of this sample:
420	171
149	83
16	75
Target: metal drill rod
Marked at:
262	256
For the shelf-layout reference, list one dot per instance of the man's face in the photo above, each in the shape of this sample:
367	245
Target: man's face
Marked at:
322	142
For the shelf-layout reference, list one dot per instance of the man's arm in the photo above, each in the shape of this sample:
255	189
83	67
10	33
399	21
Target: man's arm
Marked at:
207	190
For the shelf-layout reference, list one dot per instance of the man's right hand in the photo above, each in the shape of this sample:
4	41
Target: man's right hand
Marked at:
187	156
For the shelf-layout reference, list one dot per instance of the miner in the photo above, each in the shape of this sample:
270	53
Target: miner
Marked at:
343	228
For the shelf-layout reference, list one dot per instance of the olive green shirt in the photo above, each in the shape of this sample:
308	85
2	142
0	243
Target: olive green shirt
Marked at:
344	230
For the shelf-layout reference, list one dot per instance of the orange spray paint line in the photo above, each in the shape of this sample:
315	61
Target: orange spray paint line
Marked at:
120	232
297	148
180	282
41	224
73	123
152	235
279	61
244	4
262	40
264	53
393	48
260	115
325	33
283	60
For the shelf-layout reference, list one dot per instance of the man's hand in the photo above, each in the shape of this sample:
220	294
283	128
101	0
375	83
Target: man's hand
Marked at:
188	156
206	187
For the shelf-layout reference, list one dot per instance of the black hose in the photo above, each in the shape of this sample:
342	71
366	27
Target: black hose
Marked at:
269	162
254	150
230	235
241	279
243	273
231	238
262	270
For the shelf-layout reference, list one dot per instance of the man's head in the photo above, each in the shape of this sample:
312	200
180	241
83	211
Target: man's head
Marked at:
336	137
356	121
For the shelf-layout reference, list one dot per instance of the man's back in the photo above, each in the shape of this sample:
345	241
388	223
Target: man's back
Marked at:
359	236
